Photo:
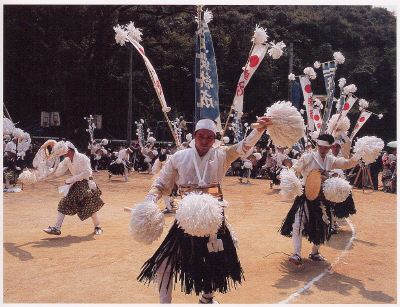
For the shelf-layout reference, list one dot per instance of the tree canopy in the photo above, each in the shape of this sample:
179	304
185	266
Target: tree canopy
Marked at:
64	58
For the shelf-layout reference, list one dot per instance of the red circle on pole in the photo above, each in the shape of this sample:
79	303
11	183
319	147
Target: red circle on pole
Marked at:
346	106
316	117
254	59
362	119
307	88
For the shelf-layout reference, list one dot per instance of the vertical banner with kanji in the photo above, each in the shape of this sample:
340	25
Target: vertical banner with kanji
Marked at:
329	70
206	82
256	57
360	122
317	119
307	94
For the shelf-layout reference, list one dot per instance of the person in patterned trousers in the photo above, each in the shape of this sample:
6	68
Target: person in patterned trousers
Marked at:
83	196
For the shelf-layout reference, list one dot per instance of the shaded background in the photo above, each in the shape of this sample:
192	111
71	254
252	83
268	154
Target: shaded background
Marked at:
64	58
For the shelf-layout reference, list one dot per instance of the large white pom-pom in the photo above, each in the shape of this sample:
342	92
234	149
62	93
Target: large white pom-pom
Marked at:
363	104
309	71
336	189
276	50
368	148
60	148
133	32
339	57
351	88
147	222
199	215
342	126
342	82
121	36
151	139
287	124
104	142
18	133
226	139
8	126
260	35
291	77
290	186
26	177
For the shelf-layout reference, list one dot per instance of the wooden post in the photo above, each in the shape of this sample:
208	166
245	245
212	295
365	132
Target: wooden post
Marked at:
129	119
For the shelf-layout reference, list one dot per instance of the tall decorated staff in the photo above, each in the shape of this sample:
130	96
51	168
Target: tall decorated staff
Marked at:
90	130
129	33
206	76
178	131
140	132
236	127
257	52
342	99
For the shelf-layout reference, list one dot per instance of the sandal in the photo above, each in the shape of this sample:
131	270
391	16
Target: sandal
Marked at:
316	257
296	259
209	300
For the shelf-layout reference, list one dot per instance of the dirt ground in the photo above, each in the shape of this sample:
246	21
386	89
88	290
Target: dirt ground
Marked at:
79	267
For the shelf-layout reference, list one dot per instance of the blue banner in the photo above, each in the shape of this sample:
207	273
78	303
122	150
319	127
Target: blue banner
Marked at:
329	70
297	95
206	82
237	129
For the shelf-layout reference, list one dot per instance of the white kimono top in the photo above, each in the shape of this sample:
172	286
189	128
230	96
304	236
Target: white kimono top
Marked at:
79	168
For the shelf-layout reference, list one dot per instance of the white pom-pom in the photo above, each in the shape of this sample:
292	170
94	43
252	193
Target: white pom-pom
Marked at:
339	57
18	133
342	126
380	115
342	82
121	36
257	155
188	137
133	32
309	71
104	142
226	139
146	222
336	189
142	120
26	177
208	16
287	124
351	88
25	136
291	77
246	124
199	215
151	139
368	148
8	126
317	64
248	164
166	109
290	185
318	103
260	35
363	104
276	50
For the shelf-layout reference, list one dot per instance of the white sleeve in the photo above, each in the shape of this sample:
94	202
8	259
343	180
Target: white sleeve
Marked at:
249	142
62	167
165	181
86	171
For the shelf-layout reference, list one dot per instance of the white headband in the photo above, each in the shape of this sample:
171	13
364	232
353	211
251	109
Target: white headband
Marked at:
323	143
206	124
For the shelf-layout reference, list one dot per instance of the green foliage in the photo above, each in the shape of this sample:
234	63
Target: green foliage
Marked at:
64	58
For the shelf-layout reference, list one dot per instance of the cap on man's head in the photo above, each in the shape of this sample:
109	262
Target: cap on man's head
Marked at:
325	140
207	124
70	145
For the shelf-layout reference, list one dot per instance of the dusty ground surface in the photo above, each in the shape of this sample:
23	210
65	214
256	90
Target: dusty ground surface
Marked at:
79	267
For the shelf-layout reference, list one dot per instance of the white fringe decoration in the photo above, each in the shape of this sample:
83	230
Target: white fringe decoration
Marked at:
287	124
17	133
199	215
318	103
276	50
339	57
121	36
26	177
146	222
342	126
8	126
310	72
317	64
351	88
336	189
260	35
133	32
363	104
290	186
368	148
151	139
291	77
233	234
342	82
